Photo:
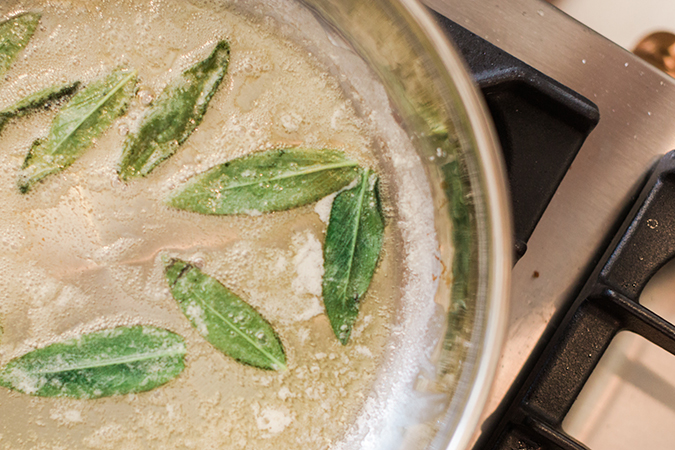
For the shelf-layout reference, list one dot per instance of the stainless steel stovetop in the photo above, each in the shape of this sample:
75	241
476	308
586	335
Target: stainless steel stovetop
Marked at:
637	126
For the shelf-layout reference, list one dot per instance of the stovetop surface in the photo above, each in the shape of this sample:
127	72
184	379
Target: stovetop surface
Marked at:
637	107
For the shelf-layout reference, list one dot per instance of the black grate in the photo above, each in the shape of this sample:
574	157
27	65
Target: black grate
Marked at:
541	124
607	304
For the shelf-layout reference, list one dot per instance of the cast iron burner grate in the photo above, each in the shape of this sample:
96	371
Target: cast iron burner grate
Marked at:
607	304
541	124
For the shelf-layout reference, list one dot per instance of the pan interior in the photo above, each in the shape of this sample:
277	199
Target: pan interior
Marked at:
83	251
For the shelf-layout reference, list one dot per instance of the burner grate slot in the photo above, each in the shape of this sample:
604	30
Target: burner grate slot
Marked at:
629	400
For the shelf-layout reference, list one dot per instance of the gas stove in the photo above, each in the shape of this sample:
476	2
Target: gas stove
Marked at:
584	239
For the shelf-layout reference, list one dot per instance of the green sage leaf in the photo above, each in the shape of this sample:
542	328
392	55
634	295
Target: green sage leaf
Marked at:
83	119
14	36
224	319
110	362
175	114
352	248
274	180
36	100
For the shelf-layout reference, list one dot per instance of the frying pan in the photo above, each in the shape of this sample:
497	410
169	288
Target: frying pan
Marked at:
402	75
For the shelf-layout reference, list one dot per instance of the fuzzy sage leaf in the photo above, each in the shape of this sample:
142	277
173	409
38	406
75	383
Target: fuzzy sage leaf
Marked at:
15	33
352	248
83	119
175	114
223	319
110	362
36	100
274	180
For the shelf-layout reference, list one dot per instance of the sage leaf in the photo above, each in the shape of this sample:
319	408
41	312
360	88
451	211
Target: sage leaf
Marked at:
15	33
111	362
222	318
274	180
83	119
352	248
175	114
36	100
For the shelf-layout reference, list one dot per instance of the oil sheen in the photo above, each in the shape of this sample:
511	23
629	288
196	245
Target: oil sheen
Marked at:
82	251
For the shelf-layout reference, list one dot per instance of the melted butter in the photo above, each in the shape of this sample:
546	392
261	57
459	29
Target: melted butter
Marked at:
82	251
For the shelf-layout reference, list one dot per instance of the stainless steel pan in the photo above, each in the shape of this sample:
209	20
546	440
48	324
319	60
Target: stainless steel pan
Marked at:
404	78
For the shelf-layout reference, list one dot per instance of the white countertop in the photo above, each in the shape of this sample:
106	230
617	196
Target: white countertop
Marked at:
625	22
